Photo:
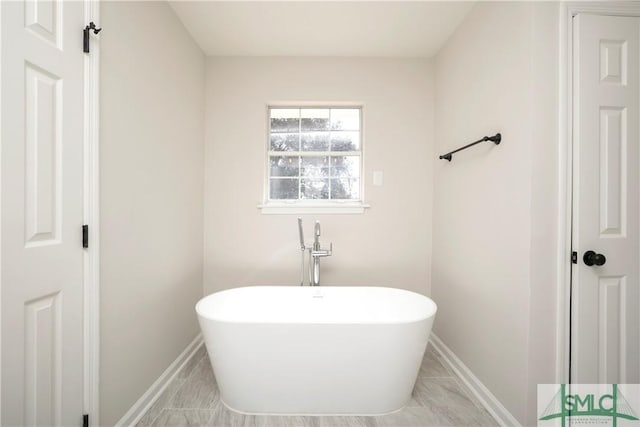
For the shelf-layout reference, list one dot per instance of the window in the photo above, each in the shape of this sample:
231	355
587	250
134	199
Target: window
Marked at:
315	155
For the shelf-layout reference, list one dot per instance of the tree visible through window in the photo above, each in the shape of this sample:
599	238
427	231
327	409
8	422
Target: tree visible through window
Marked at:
314	153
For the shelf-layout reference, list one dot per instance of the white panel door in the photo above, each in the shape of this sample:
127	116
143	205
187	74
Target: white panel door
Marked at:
42	208
605	295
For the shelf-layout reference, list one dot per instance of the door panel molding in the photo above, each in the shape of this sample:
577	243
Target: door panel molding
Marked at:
611	324
44	18
43	354
613	179
43	138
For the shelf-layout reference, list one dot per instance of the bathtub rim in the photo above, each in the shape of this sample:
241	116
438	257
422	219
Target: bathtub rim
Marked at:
431	315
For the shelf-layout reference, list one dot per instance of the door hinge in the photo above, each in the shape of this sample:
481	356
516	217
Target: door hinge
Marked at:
85	236
85	420
574	257
86	33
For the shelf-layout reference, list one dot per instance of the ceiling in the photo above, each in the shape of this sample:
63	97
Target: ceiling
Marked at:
321	28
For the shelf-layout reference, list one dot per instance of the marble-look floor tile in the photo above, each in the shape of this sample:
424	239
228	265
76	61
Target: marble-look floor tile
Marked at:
199	391
435	417
440	392
155	409
455	417
224	417
343	421
191	364
283	421
408	417
182	418
280	421
452	374
437	354
432	367
162	402
471	395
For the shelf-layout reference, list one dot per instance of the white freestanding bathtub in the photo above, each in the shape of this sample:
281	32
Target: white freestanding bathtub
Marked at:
315	350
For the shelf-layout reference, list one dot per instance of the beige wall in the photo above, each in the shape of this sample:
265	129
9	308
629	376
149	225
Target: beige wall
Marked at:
545	146
388	245
494	208
494	231
152	133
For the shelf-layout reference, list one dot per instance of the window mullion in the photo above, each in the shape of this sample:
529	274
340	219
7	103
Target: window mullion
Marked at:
299	150
314	153
330	150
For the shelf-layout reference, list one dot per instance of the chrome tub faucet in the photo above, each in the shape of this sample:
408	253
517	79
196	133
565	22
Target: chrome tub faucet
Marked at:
315	253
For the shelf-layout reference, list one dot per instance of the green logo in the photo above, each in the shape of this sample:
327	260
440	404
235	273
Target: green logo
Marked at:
565	404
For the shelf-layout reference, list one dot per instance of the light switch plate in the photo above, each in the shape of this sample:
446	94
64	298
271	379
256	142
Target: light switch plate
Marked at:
377	178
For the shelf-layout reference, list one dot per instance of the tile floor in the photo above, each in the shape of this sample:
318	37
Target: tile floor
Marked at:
439	399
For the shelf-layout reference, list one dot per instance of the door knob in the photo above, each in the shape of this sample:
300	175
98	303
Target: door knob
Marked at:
591	258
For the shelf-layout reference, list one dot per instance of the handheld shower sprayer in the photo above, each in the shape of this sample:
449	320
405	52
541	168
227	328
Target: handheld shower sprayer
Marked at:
302	249
302	246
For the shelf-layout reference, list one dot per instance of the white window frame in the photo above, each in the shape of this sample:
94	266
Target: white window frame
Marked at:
318	206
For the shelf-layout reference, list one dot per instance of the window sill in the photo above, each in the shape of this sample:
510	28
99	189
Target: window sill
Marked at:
279	208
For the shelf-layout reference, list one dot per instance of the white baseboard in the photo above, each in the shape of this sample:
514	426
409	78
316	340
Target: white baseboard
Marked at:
135	413
481	392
